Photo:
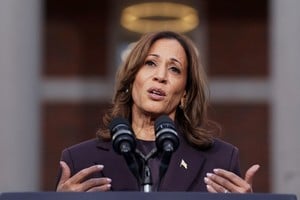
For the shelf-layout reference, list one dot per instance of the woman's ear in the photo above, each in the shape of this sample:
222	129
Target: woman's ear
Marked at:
184	95
183	100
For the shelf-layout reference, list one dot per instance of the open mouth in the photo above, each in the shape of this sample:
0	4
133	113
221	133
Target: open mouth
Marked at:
156	91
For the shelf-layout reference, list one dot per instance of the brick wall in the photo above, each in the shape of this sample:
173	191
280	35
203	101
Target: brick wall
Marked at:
238	42
75	46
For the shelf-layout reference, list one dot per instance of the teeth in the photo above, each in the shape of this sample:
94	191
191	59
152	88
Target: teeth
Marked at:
155	92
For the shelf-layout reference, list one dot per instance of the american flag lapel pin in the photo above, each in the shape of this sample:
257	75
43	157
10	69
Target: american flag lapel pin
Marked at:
183	164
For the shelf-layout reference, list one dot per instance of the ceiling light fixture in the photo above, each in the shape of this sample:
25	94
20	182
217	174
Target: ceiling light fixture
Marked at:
156	16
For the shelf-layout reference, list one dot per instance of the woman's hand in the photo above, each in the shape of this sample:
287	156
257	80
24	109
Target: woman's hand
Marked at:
226	182
76	183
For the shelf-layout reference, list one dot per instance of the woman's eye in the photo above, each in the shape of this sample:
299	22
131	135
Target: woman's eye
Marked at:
150	63
175	69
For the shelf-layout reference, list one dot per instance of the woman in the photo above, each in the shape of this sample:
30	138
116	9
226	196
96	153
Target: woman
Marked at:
162	75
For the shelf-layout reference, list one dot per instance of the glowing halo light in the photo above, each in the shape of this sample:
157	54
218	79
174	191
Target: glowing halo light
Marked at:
156	16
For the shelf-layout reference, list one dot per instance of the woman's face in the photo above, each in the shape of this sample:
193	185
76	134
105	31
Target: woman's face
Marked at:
160	83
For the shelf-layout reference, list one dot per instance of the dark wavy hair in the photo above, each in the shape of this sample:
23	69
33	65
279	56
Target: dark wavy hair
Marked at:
191	117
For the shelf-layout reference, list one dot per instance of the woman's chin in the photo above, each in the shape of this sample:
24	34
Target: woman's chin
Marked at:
154	113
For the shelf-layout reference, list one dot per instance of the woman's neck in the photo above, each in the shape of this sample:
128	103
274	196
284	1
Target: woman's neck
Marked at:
143	124
143	128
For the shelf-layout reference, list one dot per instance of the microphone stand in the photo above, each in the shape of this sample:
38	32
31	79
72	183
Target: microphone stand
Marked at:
132	164
146	176
147	179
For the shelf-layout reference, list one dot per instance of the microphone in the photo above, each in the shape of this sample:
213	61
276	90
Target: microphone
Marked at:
124	143
166	134
123	139
167	142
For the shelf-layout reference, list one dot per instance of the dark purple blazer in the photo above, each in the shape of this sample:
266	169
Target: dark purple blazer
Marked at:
177	178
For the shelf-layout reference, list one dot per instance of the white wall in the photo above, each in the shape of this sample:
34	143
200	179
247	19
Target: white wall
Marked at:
285	55
20	54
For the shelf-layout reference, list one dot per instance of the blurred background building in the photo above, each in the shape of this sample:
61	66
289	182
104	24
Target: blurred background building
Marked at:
58	59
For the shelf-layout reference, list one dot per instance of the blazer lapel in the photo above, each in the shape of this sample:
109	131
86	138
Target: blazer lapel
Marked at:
185	166
115	167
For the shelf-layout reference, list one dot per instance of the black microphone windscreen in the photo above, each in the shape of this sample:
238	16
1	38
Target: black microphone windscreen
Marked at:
117	121
123	139
164	121
166	136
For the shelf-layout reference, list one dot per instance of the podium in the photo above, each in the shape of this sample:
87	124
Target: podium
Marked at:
142	196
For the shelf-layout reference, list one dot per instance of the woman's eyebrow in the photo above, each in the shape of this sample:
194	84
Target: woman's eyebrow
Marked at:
176	60
172	59
152	54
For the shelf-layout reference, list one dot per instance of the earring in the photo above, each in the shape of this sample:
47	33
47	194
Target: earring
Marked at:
182	104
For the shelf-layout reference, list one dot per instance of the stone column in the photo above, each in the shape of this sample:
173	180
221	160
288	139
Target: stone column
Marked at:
285	79
20	56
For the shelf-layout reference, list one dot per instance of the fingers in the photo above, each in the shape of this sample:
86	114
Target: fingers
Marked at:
216	183
96	184
250	173
66	172
231	181
226	181
78	182
102	188
210	189
83	174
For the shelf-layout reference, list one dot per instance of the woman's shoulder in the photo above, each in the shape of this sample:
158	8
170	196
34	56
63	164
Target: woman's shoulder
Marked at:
223	147
223	155
87	145
84	144
222	144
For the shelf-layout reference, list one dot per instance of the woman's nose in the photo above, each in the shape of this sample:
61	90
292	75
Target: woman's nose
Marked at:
161	75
